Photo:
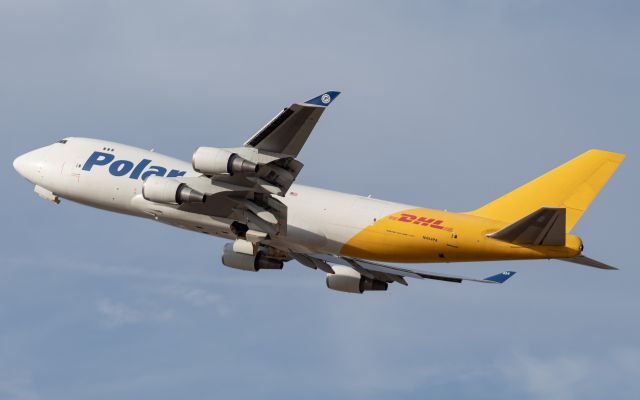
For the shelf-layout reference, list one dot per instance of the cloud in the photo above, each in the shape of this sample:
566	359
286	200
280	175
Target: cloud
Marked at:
612	374
129	271
199	297
177	285
196	297
550	378
628	359
15	386
117	314
202	298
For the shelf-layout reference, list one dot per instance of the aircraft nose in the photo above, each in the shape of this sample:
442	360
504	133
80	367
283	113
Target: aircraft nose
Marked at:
21	164
32	165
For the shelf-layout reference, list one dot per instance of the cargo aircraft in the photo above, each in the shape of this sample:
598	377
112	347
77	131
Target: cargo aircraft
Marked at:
247	195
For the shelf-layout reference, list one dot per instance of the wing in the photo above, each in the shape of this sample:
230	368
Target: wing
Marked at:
387	273
244	184
288	131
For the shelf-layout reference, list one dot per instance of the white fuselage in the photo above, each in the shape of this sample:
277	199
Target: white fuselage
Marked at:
316	227
318	220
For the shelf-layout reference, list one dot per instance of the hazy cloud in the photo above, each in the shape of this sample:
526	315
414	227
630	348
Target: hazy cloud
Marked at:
195	297
118	313
554	378
16	386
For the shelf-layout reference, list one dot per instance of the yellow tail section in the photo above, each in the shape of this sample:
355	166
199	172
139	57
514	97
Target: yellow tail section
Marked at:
573	186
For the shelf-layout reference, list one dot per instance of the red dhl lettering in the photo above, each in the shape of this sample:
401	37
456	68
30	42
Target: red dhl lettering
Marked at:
423	221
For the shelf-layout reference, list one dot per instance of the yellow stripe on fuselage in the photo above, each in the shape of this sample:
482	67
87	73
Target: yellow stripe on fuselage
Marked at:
425	235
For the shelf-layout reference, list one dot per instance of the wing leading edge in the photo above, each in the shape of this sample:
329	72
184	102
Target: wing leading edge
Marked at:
387	273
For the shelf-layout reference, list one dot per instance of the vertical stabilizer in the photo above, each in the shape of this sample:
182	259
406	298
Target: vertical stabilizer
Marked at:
573	186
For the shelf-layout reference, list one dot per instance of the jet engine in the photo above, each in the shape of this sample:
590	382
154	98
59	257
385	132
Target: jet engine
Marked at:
347	279
248	262
214	161
169	191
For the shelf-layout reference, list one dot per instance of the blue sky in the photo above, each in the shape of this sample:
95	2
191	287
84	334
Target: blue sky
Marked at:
445	104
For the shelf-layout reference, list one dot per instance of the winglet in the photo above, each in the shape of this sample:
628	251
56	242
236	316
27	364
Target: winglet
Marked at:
324	99
501	277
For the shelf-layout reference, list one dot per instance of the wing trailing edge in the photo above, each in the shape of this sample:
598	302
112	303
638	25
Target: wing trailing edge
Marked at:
388	273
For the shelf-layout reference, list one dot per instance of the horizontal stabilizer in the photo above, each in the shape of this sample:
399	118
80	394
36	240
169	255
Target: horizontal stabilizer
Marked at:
589	262
544	227
502	277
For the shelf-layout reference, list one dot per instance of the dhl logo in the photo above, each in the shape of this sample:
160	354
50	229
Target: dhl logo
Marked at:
424	221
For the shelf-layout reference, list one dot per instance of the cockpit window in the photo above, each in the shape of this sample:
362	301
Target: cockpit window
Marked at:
63	141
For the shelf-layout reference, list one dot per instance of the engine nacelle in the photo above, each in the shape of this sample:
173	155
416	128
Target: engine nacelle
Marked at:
349	280
248	262
214	161
169	191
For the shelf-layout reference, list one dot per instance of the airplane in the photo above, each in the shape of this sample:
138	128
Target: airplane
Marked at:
247	195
